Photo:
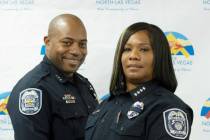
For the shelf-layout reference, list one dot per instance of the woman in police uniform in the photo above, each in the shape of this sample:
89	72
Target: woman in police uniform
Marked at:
142	104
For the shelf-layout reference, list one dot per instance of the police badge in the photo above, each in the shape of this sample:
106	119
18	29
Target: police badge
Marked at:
30	101
176	123
135	109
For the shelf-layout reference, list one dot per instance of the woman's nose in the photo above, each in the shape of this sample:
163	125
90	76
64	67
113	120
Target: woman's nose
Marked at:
135	55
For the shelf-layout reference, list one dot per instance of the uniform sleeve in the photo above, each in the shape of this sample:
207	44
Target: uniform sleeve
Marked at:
30	114
170	124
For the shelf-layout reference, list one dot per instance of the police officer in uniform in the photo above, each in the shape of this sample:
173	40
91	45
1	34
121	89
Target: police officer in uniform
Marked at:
53	101
142	104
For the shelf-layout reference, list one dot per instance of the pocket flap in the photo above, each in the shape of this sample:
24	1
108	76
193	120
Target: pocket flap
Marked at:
92	119
71	111
123	130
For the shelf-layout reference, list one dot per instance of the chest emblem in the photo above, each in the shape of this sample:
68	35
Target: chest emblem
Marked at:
69	99
135	109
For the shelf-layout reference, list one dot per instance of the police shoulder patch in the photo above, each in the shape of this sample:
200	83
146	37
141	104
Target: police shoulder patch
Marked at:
176	123
30	101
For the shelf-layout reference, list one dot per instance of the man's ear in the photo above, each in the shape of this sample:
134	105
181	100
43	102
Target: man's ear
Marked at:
47	45
46	41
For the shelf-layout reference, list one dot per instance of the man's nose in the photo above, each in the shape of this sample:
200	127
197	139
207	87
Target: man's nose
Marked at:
75	49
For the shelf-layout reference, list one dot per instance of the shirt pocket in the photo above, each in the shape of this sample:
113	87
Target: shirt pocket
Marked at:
91	124
68	119
71	111
92	119
128	128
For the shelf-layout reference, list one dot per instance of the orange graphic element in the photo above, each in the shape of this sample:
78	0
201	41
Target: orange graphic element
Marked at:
208	115
178	45
3	104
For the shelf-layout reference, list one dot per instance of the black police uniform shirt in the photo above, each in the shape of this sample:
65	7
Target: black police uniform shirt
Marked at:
45	105
149	112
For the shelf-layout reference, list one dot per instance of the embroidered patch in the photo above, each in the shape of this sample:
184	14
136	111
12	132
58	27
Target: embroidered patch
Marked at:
176	123
30	101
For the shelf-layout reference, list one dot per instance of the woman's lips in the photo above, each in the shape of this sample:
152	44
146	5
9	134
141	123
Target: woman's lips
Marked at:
134	66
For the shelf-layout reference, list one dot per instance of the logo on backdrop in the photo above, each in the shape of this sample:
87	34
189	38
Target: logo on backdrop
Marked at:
5	122
205	116
119	5
206	5
42	52
182	51
17	5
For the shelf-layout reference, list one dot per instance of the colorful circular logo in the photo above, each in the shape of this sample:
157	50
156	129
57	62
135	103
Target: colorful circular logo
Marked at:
43	50
179	44
205	114
5	122
182	51
205	111
3	102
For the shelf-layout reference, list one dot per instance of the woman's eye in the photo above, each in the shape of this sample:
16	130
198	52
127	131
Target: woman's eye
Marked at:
126	49
144	49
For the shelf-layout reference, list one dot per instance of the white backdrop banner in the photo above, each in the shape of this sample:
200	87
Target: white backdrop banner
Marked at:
186	24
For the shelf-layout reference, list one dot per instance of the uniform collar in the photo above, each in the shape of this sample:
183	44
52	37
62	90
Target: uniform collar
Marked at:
143	90
60	77
139	92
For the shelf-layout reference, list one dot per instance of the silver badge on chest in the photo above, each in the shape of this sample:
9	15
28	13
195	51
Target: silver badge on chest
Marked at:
135	109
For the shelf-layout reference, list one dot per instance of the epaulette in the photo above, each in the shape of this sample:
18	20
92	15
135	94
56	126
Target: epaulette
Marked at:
81	77
90	86
42	72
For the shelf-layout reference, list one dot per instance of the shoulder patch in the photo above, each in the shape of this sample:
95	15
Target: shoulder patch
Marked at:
30	101
176	123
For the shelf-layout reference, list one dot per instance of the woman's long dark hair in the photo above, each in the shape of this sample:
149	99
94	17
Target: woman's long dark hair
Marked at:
163	71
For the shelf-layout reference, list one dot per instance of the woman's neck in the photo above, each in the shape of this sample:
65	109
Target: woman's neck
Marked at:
130	86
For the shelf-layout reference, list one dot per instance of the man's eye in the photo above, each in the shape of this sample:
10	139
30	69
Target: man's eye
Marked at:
67	43
83	44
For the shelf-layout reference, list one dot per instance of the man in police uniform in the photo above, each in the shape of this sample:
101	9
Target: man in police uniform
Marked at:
52	101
